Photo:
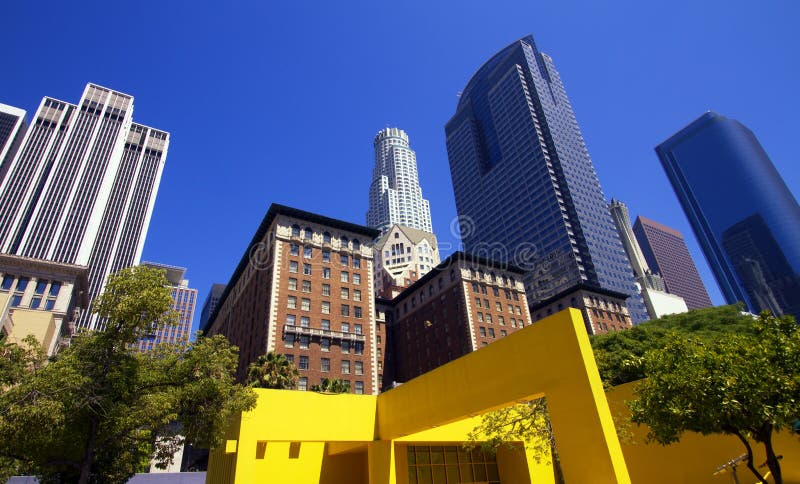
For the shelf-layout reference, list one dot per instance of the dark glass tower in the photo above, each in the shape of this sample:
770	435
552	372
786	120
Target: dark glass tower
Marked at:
524	184
745	218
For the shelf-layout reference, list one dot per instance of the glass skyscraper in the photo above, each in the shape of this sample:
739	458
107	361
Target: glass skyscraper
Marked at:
395	196
743	214
525	187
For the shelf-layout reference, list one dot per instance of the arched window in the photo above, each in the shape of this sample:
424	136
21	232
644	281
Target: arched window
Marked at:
295	230
345	242
307	233
326	237
356	244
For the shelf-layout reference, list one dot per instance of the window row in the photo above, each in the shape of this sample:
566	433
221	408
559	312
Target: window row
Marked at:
303	342
308	253
303	363
302	384
483	330
481	288
325	324
308	234
344	292
501	320
344	276
325	307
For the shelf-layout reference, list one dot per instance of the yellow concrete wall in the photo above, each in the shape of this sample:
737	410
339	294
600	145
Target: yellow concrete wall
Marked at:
40	324
695	458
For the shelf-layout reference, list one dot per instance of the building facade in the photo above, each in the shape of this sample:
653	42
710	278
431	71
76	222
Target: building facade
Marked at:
666	253
525	187
184	300
462	305
304	289
654	292
741	211
602	310
395	196
41	298
12	130
402	256
81	187
211	303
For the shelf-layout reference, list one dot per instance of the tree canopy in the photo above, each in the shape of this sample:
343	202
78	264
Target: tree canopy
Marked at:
747	385
99	411
331	385
272	370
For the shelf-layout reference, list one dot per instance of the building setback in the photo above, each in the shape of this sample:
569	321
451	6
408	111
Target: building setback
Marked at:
304	288
462	305
81	187
525	187
666	253
395	196
741	211
184	299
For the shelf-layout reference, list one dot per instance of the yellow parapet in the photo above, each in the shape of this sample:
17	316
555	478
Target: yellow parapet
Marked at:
304	437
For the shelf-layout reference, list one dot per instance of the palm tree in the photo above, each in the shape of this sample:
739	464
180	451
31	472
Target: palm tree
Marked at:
272	370
329	385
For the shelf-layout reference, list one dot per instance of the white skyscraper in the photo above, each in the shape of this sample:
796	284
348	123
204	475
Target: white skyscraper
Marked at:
395	196
82	185
12	129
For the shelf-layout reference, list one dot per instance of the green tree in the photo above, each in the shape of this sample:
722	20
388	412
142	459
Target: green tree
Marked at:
272	370
744	385
331	385
99	411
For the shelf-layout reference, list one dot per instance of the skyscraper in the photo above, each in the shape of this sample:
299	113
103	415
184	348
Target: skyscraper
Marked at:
211	303
666	253
654	292
12	129
395	196
740	209
184	300
82	185
524	184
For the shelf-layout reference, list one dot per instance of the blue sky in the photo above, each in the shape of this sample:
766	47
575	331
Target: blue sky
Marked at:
279	101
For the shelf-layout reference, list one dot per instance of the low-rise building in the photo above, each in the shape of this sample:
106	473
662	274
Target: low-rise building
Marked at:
603	310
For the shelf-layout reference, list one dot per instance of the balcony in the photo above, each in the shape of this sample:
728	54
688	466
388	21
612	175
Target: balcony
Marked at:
325	333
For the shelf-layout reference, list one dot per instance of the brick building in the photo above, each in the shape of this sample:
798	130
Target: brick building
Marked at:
463	304
304	288
603	310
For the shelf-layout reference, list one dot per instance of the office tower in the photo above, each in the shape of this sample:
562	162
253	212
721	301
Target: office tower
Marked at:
211	303
462	305
741	211
303	288
12	129
395	196
402	256
81	187
41	298
525	187
654	292
666	253
184	300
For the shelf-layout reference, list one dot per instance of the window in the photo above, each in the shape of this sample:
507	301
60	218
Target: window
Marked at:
486	304
305	321
501	320
306	286
474	287
482	331
290	319
345	310
378	339
356	244
345	367
307	269
8	281
307	252
294	249
292	284
345	259
36	301
359	388
357	328
491	332
291	302
345	276
358	348
356	278
496	291
22	284
303	340
295	231
518	309
516	296
379	353
326	273
345	293
40	287
325	365
325	344
511	309
356	262
16	300
326	289
288	340
503	332
326	307
513	323
302	383
478	302
307	233
293	266
356	295
326	237
359	367
483	289
345	327
345	242
305	304
49	304
357	311
345	347
303	363
489	318
290	358
498	305
326	256
480	317
326	324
